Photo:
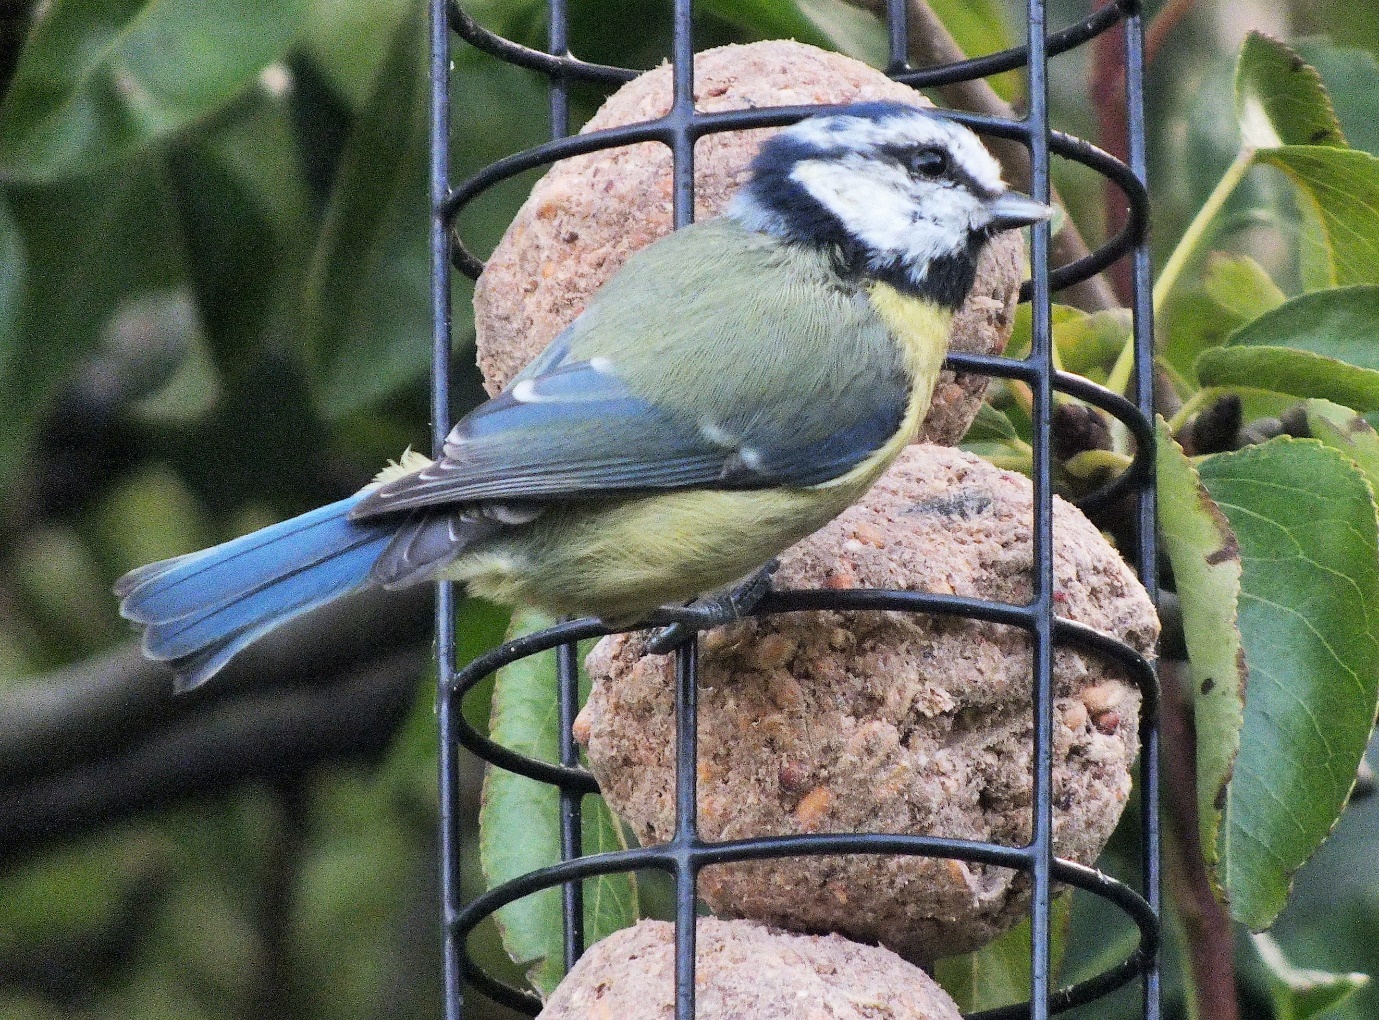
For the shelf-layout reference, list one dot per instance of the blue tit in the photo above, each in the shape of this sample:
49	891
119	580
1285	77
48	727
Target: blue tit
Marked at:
732	389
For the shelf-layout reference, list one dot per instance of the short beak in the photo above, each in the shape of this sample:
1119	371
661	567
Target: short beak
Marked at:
1010	210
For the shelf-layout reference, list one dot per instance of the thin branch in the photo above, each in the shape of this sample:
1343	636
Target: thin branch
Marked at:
1170	16
81	712
260	739
932	44
1107	87
1207	928
277	898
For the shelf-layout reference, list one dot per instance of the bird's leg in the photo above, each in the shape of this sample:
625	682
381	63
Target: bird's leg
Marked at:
712	610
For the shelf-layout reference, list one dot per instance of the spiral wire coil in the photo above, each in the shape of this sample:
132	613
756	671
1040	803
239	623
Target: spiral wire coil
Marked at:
686	853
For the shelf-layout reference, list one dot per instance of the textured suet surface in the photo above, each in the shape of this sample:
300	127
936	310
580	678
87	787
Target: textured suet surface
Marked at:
889	722
746	971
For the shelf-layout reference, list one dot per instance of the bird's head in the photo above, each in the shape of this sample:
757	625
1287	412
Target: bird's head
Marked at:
898	194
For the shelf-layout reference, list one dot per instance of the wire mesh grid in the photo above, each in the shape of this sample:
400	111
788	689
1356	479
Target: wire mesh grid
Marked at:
686	853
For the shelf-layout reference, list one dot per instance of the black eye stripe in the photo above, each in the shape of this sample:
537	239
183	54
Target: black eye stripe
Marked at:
930	162
953	173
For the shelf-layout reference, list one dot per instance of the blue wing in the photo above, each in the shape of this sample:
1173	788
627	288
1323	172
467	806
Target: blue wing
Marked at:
578	431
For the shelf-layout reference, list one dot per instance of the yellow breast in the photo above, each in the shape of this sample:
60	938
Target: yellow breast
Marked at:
921	328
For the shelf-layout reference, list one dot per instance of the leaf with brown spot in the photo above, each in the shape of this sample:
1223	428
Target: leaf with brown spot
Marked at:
1206	565
1280	98
1342	429
1308	615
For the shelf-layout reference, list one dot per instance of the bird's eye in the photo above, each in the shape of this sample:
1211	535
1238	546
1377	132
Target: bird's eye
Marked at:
928	162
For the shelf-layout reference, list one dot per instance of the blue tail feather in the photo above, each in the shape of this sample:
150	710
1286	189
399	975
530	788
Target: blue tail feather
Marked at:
200	609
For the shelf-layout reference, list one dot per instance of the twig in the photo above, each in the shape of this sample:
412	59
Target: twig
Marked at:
1206	926
931	44
1168	18
262	739
282	871
1107	87
75	714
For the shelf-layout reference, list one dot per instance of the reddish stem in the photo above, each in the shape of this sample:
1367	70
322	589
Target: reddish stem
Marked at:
1206	926
1107	88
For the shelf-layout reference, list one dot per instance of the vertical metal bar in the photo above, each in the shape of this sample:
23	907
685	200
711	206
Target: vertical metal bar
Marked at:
686	822
1037	123
571	842
687	658
682	113
567	665
559	40
447	707
1147	555
898	32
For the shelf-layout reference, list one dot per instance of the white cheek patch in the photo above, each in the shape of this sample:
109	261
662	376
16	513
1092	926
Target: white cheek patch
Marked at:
891	215
873	204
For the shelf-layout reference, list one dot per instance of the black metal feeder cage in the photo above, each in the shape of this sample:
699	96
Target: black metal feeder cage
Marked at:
687	853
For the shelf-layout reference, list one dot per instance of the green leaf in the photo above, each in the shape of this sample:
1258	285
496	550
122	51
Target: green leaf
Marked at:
1339	323
101	79
1300	994
994	437
519	822
1308	615
981	26
14	269
348	40
1316	345
1342	186
1206	567
847	29
1088	343
366	317
155	355
1235	289
1190	323
246	225
998	974
990	426
1280	99
1240	286
1285	370
1337	18
1315	268
1342	429
829	24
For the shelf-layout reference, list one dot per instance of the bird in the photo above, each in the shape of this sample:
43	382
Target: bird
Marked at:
731	389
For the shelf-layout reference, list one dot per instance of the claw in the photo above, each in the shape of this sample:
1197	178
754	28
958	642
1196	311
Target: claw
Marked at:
709	611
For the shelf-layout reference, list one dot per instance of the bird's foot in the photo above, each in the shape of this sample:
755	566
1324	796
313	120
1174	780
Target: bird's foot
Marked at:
709	611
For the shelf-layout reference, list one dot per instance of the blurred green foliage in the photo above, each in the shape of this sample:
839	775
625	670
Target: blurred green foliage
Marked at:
213	314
